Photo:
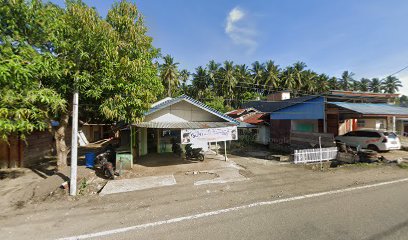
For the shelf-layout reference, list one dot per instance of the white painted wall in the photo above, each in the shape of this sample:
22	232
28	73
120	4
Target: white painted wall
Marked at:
263	135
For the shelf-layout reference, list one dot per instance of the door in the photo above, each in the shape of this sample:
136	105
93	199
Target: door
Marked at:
151	140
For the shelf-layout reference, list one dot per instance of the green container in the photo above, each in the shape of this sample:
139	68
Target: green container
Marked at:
125	160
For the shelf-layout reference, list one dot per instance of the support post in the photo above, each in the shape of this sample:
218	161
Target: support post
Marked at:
393	123
321	153
158	140
74	145
216	148
225	150
325	116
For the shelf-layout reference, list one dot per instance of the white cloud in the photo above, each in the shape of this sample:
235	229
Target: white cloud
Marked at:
239	30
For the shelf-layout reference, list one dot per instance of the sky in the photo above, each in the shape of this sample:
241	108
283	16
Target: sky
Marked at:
366	37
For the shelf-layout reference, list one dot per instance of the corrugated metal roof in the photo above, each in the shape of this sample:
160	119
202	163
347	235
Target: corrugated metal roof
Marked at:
164	104
256	118
246	125
269	107
373	108
184	125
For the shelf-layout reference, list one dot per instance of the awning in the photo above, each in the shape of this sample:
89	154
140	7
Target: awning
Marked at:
184	125
375	109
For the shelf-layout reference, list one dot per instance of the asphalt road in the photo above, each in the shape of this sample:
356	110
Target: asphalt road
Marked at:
373	213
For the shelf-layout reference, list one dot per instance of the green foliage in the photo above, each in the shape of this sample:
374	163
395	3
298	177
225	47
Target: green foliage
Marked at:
218	104
169	74
247	138
25	62
237	83
47	53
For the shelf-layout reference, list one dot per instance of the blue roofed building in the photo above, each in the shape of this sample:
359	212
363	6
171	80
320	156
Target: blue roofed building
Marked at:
336	113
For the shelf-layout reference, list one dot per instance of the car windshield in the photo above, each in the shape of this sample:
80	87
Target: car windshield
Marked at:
390	134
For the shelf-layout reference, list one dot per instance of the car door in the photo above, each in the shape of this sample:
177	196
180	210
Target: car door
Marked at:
349	139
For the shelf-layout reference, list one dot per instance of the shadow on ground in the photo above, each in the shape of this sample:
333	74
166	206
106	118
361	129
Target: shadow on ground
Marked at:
163	159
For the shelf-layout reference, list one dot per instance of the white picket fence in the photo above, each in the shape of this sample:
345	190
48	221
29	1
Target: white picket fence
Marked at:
315	155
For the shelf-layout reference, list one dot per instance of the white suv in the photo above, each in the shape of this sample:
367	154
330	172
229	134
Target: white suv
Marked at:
376	140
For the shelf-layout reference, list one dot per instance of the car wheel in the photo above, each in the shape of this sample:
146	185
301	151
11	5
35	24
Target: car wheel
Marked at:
373	147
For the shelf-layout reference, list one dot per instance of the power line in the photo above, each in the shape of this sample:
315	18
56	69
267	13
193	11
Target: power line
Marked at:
398	71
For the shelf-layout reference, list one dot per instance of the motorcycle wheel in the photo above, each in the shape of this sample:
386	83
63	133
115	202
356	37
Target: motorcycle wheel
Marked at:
200	157
109	173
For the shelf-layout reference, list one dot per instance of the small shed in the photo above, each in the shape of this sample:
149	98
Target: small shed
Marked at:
252	122
169	118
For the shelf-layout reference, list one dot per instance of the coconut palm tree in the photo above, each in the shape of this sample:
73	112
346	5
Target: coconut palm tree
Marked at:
257	72
309	79
364	84
333	83
355	86
271	74
288	80
169	73
184	76
227	73
323	84
298	68
346	80
375	85
391	84
244	80
199	82
212	71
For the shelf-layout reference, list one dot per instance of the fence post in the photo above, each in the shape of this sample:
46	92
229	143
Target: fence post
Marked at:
321	153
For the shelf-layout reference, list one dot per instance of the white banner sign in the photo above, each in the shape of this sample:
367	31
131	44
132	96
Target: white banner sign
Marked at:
209	135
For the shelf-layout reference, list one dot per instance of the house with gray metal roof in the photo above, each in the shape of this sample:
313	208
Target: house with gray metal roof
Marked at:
168	118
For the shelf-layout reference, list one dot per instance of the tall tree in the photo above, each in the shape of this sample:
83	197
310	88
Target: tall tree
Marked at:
257	73
200	82
364	84
346	80
184	77
310	79
298	68
227	72
375	85
109	61
26	60
271	74
288	79
391	84
212	71
244	80
169	73
323	83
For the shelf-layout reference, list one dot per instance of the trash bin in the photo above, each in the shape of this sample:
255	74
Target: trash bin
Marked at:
89	159
125	160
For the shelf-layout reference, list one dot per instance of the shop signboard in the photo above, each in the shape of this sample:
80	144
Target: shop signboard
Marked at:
209	135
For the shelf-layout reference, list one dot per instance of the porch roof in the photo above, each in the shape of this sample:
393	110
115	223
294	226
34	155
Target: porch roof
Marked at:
184	125
377	109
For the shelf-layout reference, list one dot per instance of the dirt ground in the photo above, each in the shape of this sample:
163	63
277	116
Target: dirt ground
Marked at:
23	188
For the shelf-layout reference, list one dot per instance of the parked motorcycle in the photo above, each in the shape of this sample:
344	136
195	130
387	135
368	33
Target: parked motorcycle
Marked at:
176	148
194	153
104	165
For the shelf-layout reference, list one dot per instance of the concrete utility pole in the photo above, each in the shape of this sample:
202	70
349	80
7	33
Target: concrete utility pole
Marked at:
74	146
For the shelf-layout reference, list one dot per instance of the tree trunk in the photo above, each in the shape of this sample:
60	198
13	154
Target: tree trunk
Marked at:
169	89
61	146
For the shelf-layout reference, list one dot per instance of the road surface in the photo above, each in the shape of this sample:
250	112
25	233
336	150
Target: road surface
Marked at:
376	212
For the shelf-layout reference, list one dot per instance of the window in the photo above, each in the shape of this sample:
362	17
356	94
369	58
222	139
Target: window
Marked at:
350	134
390	134
361	123
368	134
